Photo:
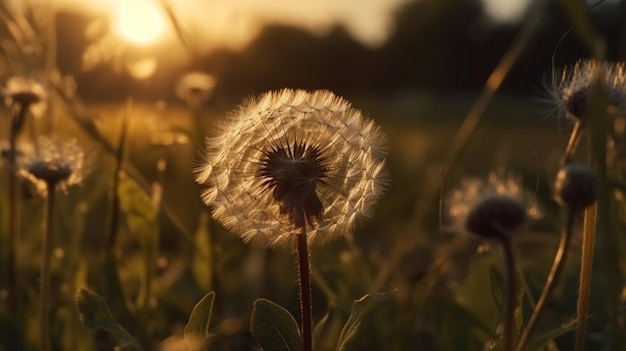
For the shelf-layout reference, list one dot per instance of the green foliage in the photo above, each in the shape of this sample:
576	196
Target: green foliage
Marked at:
95	314
274	328
197	328
360	308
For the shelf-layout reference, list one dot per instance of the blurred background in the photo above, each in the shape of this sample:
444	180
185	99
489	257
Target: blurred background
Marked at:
174	68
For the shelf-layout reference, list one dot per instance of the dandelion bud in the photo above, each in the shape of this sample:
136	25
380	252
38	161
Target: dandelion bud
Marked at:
575	187
495	217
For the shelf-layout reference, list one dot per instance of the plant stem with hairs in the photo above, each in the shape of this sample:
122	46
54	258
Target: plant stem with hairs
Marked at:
304	284
586	263
551	281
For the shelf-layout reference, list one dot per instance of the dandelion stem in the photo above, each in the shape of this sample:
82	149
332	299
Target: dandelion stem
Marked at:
46	258
551	281
572	144
19	115
304	279
586	262
510	297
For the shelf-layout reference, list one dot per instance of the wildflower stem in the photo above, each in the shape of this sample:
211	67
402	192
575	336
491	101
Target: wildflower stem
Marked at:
304	279
46	258
510	297
19	115
585	276
572	144
551	281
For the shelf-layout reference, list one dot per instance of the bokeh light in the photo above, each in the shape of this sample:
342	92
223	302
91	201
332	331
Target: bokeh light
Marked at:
139	21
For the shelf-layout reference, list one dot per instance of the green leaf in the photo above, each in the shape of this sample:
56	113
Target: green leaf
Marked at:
197	328
141	213
95	314
202	259
322	325
274	328
360	308
496	284
549	337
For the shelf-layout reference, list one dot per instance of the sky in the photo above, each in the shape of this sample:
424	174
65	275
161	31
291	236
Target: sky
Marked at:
234	23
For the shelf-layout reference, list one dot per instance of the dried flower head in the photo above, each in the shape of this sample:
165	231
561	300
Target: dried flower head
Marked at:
25	93
60	164
292	161
575	187
571	91
491	209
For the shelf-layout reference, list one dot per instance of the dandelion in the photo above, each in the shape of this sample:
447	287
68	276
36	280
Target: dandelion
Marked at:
575	191
22	95
54	165
289	160
494	210
195	87
25	94
293	164
571	92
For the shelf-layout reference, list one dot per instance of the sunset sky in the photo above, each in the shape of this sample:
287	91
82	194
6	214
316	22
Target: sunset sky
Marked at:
233	23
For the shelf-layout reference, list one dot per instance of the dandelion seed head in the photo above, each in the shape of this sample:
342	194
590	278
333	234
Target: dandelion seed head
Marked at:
289	161
491	208
571	89
25	93
55	162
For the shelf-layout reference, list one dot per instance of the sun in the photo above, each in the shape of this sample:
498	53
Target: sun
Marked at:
139	21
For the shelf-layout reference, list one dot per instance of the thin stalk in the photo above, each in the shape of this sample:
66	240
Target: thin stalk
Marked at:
19	115
586	263
510	295
304	280
572	144
551	281
46	259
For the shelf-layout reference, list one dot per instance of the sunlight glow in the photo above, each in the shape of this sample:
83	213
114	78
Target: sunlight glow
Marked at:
140	22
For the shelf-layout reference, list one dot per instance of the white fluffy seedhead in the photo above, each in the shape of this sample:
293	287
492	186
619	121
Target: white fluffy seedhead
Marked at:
291	161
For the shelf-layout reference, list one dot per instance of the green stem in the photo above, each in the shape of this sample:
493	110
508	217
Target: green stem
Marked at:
46	259
511	293
551	281
586	263
304	279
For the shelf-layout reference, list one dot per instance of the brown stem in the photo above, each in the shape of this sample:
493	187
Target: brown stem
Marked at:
304	280
586	262
46	258
510	297
551	281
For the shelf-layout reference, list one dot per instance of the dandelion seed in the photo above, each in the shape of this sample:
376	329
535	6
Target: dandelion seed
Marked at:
55	162
289	161
572	90
493	208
